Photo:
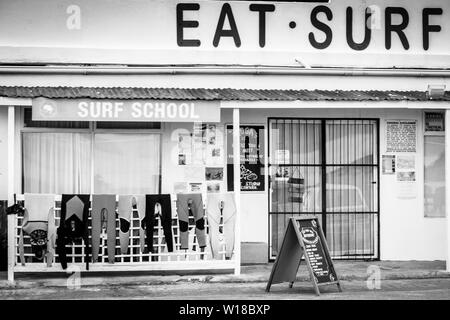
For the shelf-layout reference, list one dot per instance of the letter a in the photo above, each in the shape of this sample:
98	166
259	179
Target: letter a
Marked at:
74	20
220	32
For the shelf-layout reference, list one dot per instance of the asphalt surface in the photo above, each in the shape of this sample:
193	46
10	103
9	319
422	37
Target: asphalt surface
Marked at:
421	289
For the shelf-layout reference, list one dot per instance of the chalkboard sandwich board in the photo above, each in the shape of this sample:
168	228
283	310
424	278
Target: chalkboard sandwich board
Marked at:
304	238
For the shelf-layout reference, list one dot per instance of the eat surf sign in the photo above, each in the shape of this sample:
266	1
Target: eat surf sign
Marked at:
364	33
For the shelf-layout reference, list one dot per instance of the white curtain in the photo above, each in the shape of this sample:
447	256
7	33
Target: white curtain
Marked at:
57	162
61	163
126	163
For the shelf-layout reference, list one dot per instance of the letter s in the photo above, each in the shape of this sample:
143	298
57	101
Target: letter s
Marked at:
83	109
136	110
322	27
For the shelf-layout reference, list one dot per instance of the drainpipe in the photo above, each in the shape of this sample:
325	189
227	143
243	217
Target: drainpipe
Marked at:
230	70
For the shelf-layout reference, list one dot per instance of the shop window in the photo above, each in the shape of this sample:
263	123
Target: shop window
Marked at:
29	123
140	153
434	165
61	162
56	162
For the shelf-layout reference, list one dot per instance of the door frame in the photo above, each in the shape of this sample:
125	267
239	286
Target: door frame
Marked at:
323	166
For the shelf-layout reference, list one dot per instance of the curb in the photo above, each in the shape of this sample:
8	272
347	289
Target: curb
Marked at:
148	281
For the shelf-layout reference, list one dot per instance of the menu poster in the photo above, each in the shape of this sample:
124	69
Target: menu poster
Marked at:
252	158
304	238
318	256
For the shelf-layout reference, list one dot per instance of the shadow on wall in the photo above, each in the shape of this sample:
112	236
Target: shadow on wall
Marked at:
3	236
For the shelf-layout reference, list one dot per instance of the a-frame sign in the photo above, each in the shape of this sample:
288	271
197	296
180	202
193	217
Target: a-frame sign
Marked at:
304	238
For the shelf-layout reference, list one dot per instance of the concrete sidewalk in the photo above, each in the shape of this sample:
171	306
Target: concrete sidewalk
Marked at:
346	270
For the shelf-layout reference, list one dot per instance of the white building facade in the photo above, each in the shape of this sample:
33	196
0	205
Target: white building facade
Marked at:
347	99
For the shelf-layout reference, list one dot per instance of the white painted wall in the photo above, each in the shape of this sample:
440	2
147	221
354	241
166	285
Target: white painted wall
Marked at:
405	233
45	32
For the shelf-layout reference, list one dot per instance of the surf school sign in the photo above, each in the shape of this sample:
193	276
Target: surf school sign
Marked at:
125	110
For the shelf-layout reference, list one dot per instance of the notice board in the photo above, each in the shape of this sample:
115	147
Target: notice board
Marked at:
304	238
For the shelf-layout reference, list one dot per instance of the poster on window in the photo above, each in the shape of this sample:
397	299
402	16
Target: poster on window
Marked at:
213	187
406	185
282	156
401	135
252	158
406	176
406	162
388	164
213	174
194	173
195	187
184	149
180	187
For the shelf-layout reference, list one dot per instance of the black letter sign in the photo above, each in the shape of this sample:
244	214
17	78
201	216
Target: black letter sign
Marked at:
262	9
220	32
367	33
181	24
321	26
396	28
427	28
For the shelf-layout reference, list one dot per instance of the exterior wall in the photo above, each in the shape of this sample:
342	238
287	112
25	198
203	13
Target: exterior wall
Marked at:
61	31
405	234
398	217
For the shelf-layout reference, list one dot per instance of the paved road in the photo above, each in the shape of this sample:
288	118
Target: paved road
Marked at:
390	289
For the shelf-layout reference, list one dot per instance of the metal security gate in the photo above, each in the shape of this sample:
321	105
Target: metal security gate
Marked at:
327	168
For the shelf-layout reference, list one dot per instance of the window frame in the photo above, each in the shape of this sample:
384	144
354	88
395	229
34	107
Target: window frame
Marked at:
92	130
